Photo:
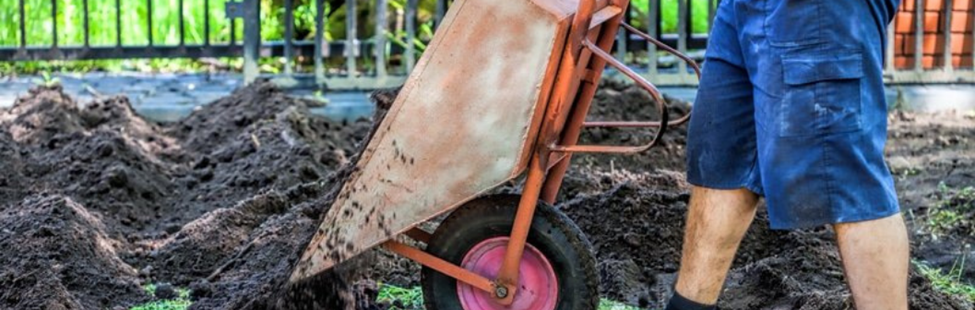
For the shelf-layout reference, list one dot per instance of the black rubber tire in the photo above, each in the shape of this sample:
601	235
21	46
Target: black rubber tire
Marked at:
552	233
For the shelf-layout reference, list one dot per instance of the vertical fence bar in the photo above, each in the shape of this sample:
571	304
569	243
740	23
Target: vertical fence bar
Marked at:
23	27
919	36
350	37
182	28
971	20
118	23
712	7
84	9
54	23
149	20
289	32
621	37
441	7
206	22
411	8
379	44
683	31
233	31
319	49
946	10
889	57
653	16
252	38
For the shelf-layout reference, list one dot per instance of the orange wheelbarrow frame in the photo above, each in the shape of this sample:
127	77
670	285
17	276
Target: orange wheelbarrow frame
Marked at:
593	33
579	62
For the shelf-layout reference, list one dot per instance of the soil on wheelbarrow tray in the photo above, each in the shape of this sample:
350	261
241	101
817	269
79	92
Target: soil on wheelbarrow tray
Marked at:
96	202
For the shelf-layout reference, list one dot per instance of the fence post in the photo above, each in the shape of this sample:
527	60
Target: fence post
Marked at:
252	38
379	43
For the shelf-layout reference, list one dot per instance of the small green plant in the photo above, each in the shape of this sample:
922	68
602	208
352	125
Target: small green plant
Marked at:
180	303
410	298
953	210
950	282
607	304
48	80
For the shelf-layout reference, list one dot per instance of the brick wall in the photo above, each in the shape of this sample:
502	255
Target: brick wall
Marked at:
961	32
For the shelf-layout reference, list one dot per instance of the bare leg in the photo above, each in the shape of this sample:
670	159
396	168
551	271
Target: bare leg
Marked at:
716	222
875	258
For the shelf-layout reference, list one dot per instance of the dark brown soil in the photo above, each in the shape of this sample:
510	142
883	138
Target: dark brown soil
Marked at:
57	255
96	201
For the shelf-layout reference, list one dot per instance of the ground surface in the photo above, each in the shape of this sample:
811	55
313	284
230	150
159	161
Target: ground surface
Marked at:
96	202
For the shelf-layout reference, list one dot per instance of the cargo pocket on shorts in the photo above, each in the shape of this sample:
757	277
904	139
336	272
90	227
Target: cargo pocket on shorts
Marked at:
822	93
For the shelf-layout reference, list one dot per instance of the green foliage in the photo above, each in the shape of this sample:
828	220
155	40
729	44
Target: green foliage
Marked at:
136	25
607	304
180	303
412	299
950	282
668	13
953	211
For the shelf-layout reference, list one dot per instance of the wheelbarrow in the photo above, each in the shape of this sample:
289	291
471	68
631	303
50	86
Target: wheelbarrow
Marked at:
501	93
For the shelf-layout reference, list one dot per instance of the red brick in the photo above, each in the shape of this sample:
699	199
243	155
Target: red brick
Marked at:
933	5
933	44
932	22
961	21
903	62
928	62
905	22
964	5
961	43
962	61
907	6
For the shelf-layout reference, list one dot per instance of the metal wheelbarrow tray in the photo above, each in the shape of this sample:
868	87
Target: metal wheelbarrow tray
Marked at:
502	91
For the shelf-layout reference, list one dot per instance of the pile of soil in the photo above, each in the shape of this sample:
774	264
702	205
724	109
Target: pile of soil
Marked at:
96	202
154	203
57	255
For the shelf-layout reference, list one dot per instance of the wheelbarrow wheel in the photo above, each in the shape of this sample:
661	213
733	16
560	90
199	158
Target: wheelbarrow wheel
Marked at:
557	271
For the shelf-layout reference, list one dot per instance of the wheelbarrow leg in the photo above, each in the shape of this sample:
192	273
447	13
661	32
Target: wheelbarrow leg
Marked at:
508	275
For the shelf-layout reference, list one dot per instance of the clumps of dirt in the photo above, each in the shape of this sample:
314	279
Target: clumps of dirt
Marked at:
647	213
932	158
639	253
57	255
146	181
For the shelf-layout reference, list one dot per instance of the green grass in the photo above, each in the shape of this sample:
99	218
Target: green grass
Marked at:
953	210
950	282
180	303
412	299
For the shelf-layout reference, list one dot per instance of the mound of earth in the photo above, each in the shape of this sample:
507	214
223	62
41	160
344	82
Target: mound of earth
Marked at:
57	255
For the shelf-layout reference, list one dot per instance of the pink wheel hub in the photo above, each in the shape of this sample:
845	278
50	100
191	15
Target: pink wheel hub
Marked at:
538	289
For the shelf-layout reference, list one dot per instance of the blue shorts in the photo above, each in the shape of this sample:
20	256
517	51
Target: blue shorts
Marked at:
791	106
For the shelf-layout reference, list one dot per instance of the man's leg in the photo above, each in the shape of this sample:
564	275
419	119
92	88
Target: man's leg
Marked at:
716	222
875	258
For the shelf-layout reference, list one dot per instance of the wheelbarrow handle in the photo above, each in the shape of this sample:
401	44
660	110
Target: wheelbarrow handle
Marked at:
690	62
643	83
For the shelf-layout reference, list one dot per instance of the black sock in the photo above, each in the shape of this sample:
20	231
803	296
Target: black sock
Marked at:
678	302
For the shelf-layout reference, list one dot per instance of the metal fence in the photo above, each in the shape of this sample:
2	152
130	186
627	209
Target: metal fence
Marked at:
341	64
